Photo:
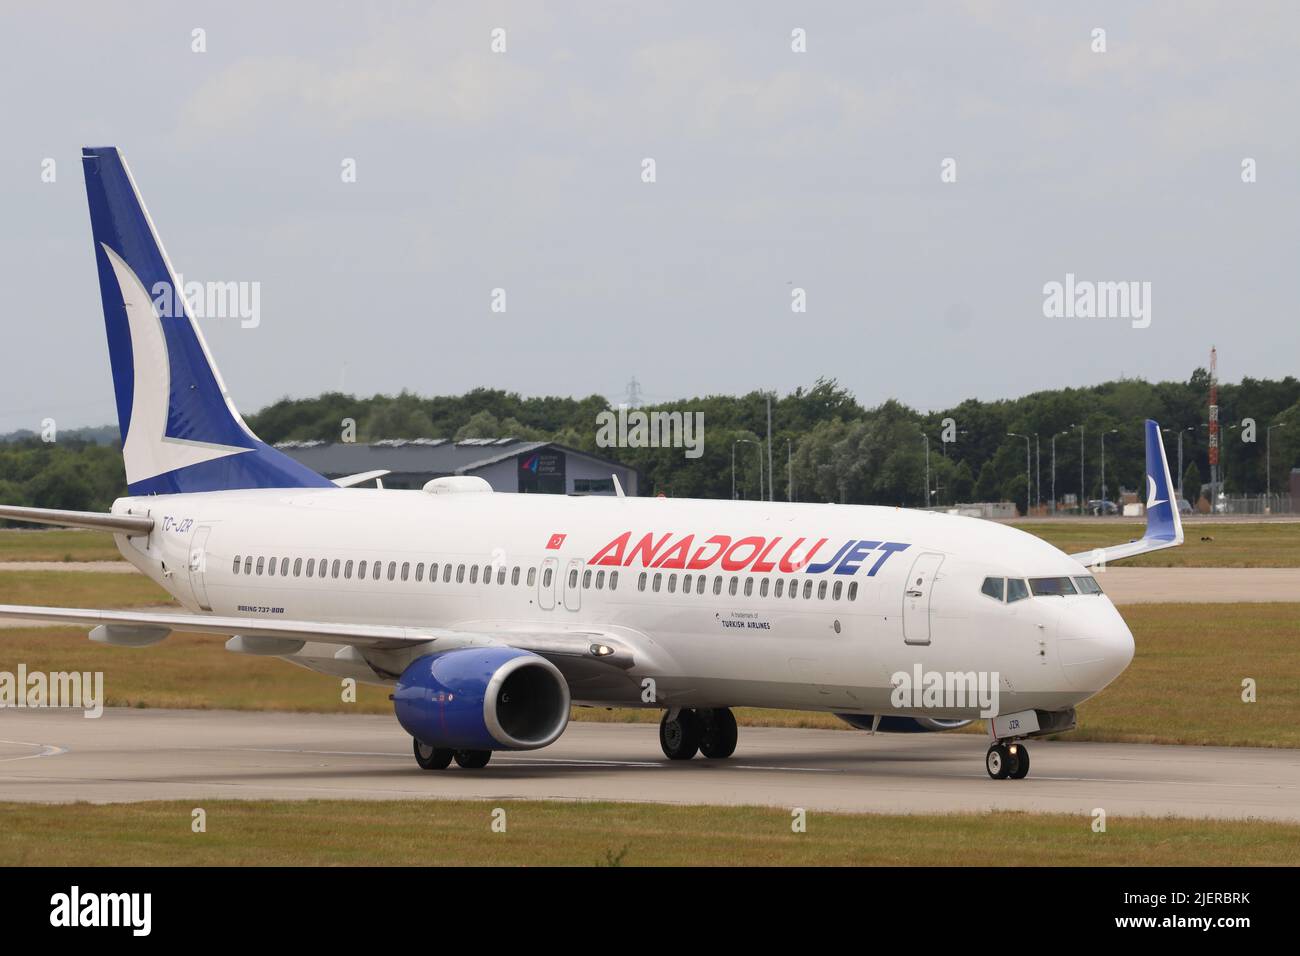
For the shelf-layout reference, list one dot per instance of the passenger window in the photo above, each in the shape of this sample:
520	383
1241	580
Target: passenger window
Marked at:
731	588
235	570
446	575
762	588
297	567
821	590
640	582
311	567
487	574
473	574
347	570
613	580
514	575
270	567
321	568
600	580
406	570
994	587
717	584
686	584
807	588
655	585
377	570
749	587
778	588
460	574
586	579
419	572
433	572
1016	590
335	569
853	590
835	594
532	576
573	577
284	567
501	575
794	589
261	562
672	584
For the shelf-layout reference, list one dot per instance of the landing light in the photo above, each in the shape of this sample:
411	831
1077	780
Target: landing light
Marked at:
601	650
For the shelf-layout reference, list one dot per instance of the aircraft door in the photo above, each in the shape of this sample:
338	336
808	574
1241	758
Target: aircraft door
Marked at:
546	584
198	565
916	598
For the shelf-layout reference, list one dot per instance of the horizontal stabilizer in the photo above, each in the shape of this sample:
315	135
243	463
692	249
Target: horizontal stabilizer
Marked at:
92	520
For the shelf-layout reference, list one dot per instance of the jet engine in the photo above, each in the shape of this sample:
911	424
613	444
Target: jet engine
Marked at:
483	698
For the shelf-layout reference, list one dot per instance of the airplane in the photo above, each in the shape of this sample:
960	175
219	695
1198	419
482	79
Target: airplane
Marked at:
490	615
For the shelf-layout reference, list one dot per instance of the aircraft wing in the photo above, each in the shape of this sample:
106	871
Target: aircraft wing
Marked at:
277	637
1164	527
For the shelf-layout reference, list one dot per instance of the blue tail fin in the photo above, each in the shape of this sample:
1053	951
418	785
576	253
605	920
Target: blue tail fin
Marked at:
180	431
1163	521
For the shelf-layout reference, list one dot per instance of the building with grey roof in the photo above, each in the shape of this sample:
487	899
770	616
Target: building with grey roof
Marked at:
507	464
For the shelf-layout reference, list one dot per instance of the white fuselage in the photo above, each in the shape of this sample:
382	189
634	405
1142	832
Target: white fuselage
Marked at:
833	646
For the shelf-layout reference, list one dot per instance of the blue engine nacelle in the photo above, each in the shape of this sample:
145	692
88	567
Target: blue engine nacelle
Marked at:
902	724
483	698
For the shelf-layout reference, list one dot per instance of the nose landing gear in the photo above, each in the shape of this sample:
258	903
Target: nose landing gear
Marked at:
1007	761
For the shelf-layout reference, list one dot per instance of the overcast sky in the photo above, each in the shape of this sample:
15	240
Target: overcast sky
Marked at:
775	170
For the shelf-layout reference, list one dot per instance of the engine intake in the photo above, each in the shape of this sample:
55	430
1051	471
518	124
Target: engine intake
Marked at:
483	698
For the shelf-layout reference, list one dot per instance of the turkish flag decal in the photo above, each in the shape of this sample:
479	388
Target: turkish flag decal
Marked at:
556	541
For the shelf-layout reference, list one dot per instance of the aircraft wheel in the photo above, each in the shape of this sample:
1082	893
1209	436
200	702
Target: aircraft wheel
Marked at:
998	762
430	757
680	737
473	759
719	738
1021	760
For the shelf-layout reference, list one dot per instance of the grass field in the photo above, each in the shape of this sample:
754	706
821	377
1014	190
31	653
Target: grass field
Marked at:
1261	544
1184	685
57	545
81	589
458	832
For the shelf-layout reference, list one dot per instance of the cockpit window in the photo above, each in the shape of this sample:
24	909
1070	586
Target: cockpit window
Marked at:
994	587
1051	587
1088	584
1016	590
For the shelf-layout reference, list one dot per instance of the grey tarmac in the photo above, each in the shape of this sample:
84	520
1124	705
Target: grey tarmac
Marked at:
131	755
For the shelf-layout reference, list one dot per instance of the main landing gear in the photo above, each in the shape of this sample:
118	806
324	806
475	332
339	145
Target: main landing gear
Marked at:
711	732
439	758
1007	761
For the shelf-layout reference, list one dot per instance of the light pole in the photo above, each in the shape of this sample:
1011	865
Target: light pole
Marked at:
1102	507
1268	464
1066	432
1189	428
1038	473
1029	484
1083	498
927	469
789	470
759	446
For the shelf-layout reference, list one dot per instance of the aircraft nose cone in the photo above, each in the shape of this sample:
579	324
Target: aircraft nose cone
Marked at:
1095	644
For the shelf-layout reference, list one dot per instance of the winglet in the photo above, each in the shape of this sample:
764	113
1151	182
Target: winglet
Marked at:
1164	526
